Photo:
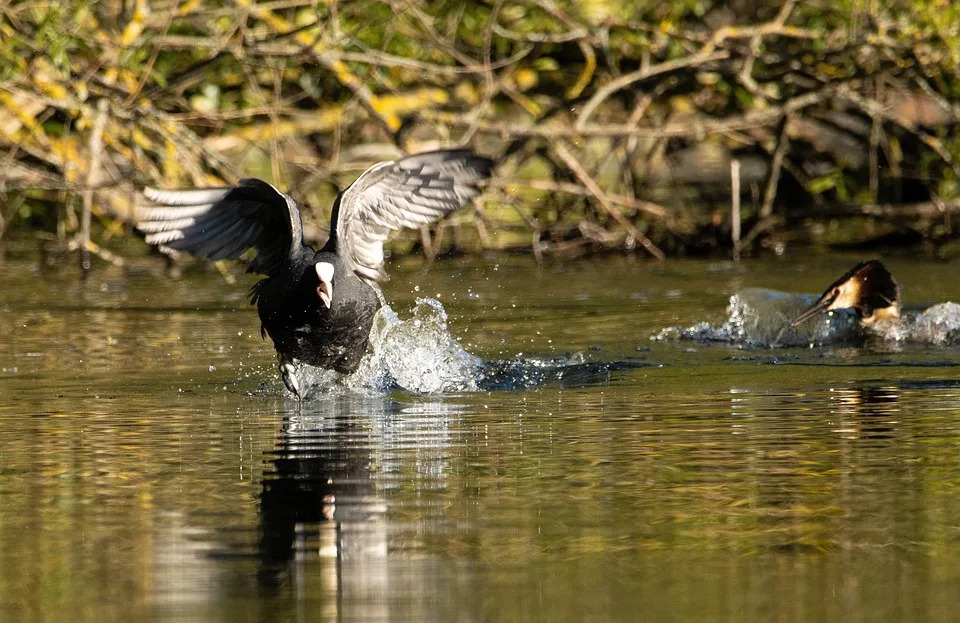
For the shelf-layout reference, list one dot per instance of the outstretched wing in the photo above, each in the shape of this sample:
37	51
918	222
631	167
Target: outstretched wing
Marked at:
410	192
222	223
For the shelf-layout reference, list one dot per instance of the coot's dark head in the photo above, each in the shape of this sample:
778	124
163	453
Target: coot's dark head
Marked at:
329	283
868	288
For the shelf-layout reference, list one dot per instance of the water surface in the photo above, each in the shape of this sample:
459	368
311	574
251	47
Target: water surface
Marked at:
152	467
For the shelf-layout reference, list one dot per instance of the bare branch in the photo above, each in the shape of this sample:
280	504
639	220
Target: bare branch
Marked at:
568	158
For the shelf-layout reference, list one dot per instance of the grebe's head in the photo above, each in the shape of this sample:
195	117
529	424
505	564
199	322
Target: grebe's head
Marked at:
868	288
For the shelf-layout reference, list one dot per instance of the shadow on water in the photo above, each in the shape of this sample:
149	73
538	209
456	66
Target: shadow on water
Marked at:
560	373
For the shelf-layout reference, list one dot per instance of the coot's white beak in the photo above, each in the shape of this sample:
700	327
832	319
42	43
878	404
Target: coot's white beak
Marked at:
325	289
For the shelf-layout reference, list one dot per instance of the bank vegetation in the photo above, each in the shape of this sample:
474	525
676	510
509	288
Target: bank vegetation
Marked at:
659	128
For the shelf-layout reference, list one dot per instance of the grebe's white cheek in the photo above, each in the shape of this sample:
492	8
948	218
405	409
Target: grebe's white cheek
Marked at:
846	299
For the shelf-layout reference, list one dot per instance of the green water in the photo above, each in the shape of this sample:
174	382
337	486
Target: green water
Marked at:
151	467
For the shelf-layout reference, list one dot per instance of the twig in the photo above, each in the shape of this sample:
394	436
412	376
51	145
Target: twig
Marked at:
873	108
648	207
776	164
761	226
97	250
8	207
337	67
374	58
574	165
95	152
644	73
676	129
540	37
876	127
735	208
890	211
589	55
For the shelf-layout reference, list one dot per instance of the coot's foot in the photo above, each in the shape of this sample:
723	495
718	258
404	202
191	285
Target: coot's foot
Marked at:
289	372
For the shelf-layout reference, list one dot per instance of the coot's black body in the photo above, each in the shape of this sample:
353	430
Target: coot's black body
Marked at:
303	329
318	307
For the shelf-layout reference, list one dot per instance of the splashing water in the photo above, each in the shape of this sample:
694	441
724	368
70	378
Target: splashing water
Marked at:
938	324
316	381
757	317
418	354
763	318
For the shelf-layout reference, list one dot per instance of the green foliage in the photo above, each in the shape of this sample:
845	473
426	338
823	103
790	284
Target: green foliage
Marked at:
307	93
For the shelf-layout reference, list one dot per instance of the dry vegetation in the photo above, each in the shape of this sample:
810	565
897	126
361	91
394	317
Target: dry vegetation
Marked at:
617	124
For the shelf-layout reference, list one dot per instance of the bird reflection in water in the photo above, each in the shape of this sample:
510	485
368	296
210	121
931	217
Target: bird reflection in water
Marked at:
323	510
867	412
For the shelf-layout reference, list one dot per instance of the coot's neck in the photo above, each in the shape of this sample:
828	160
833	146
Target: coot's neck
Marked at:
299	266
331	245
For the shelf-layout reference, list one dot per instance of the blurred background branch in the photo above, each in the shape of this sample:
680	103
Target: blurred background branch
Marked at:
615	121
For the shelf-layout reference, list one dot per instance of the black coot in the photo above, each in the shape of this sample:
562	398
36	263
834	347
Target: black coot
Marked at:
317	307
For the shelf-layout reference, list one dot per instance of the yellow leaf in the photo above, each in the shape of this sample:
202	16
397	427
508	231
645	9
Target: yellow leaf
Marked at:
525	79
135	26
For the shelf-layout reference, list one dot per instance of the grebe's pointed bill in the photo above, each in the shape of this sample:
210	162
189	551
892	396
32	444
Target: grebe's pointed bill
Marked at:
822	306
325	289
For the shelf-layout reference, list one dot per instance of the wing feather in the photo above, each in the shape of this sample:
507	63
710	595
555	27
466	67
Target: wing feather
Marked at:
150	213
222	223
162	238
197	196
410	192
150	227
